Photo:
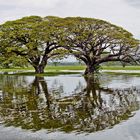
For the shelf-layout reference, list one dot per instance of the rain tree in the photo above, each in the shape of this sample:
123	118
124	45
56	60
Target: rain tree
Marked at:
33	38
95	41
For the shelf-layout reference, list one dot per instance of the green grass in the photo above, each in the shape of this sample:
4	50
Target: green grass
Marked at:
58	69
76	67
121	68
48	68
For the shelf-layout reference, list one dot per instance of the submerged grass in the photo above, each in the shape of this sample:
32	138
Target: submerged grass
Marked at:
121	68
55	73
123	73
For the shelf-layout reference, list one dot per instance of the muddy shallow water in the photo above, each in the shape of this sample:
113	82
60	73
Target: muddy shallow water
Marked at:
70	107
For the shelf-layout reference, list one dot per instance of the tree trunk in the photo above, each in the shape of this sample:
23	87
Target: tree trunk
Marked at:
39	69
90	69
41	87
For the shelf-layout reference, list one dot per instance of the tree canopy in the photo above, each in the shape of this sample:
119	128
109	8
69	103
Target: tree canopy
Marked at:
33	38
90	40
96	41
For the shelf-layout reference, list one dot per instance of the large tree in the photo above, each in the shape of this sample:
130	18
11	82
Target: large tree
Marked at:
95	41
34	38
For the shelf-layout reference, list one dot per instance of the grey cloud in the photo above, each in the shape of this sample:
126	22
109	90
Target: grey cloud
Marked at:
135	3
119	12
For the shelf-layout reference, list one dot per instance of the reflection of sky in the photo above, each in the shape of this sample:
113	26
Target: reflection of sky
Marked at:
130	128
123	81
71	82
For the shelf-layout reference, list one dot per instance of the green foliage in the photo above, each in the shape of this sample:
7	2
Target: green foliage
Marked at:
36	39
13	61
33	38
95	41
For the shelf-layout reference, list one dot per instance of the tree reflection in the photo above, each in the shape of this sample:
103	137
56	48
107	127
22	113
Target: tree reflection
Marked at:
94	108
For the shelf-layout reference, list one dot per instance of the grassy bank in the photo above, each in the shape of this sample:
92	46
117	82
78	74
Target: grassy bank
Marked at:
121	68
77	67
48	68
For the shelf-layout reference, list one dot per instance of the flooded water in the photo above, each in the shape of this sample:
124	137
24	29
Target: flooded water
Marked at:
70	107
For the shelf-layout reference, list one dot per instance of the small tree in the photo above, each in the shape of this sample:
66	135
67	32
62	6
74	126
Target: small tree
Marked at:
96	41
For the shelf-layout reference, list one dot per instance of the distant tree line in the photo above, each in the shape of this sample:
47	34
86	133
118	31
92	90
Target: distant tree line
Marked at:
36	40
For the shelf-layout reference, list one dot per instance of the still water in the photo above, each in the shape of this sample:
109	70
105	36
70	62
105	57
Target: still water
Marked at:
70	107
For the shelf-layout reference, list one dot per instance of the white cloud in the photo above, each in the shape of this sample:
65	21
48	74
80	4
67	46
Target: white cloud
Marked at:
30	3
120	12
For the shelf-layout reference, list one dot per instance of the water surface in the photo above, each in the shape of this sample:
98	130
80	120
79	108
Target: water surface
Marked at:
69	107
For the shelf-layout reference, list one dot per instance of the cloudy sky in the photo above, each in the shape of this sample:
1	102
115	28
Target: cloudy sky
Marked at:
125	13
